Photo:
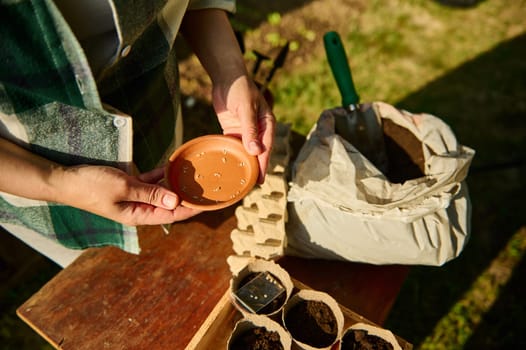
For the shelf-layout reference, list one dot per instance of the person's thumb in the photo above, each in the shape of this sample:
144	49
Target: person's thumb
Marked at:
155	195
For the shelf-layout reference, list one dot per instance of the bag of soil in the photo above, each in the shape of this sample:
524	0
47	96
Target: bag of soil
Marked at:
418	212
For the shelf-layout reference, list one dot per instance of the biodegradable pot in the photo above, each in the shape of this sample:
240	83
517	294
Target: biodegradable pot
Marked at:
365	336
314	319
211	172
258	332
251	269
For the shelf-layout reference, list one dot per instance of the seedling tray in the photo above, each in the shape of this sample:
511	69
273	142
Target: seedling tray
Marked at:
216	330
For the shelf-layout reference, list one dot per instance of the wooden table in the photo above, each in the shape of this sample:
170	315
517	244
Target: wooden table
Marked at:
160	299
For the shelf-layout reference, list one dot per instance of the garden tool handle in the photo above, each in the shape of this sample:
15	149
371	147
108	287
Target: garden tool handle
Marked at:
340	68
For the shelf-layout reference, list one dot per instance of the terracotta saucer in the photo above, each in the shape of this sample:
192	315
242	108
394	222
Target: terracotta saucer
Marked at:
211	172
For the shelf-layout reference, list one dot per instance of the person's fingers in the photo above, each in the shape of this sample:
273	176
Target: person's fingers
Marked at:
263	159
155	195
249	129
183	213
145	214
153	176
267	125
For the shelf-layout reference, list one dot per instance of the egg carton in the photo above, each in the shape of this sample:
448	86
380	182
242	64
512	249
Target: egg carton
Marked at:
263	229
261	217
261	204
244	244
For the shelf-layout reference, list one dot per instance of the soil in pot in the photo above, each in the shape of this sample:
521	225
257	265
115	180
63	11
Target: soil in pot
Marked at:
312	322
275	304
404	153
361	340
257	338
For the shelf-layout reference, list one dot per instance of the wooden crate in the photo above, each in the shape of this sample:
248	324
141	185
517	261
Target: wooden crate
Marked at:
216	330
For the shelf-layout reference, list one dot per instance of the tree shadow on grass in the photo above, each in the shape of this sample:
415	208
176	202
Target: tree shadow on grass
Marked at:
504	326
484	102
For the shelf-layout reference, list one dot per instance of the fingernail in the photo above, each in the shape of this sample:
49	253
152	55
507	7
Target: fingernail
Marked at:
169	201
254	147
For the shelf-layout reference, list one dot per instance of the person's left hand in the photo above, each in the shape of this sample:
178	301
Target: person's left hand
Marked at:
243	112
116	195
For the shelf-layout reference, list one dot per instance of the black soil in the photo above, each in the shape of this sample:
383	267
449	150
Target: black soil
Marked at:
404	153
312	322
257	338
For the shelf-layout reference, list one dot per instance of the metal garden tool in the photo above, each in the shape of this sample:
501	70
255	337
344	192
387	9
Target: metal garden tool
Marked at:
259	59
278	63
355	123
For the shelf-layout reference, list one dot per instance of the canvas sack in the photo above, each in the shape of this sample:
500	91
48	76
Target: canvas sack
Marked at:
342	207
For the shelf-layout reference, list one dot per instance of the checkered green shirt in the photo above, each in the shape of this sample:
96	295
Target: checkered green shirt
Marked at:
51	104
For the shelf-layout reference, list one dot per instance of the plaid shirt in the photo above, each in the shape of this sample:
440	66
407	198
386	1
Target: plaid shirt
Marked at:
51	104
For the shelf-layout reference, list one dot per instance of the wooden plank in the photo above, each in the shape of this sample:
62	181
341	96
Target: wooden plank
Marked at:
156	300
215	334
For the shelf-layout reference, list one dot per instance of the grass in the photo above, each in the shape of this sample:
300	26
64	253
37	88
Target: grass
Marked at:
455	328
396	48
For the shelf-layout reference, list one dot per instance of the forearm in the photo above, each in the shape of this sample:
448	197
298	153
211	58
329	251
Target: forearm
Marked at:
26	174
101	190
210	35
241	109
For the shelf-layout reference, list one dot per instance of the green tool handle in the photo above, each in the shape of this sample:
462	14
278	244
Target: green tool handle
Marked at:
340	68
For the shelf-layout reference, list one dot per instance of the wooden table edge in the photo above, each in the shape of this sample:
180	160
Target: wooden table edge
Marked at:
20	314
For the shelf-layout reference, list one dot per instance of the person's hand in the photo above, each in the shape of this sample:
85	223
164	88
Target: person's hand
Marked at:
130	200
243	112
241	109
102	190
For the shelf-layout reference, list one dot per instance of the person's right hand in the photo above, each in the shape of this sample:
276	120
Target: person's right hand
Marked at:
241	109
130	200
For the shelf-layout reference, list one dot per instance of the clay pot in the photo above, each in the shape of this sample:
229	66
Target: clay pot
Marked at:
314	320
211	172
268	334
